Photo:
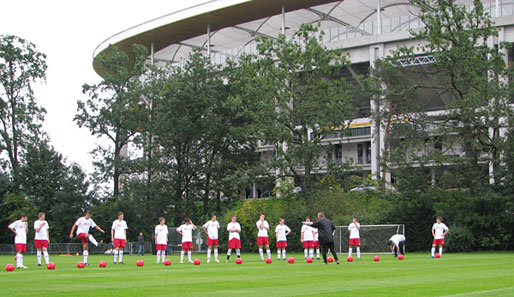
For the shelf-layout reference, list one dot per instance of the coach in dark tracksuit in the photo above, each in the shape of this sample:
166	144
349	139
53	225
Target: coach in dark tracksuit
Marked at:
326	240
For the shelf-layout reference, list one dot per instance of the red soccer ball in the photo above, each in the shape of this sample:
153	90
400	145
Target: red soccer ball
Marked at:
15	258
290	260
349	259
239	261
400	257
308	260
269	261
330	259
376	258
102	264
9	267
438	255
140	263
80	265
197	262
167	262
50	266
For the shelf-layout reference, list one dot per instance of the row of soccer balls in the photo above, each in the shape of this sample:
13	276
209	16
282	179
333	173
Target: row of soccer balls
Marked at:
167	262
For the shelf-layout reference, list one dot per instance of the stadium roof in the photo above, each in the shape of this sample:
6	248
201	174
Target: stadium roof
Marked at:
234	24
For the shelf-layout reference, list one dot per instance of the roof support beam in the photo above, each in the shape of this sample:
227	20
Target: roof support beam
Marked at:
325	17
252	32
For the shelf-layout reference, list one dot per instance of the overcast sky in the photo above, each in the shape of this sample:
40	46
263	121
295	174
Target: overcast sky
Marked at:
68	32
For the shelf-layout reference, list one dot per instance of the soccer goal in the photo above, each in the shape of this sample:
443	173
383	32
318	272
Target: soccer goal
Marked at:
374	238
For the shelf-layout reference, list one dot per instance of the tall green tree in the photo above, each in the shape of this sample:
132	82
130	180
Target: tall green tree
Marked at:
114	110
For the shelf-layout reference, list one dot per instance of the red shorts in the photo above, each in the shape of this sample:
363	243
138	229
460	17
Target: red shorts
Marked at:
308	244
119	243
160	247
355	242
40	243
234	243
262	241
21	247
187	245
211	241
83	237
438	241
281	244
316	243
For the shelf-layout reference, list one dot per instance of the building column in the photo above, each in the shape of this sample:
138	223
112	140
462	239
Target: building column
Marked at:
377	128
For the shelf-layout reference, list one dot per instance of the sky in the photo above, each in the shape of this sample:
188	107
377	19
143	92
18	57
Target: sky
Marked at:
68	32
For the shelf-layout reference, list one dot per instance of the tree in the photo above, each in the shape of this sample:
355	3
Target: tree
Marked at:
114	109
21	65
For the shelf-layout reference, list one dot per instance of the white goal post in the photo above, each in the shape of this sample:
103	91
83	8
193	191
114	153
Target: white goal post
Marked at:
374	238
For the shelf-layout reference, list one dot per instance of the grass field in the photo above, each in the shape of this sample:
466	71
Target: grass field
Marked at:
473	274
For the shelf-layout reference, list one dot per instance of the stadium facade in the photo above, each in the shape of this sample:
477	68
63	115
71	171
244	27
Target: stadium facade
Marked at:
365	29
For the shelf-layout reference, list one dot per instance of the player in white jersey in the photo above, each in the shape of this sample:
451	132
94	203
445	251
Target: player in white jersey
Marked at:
211	229
41	238
307	239
119	237
186	231
20	228
439	231
83	224
316	242
234	240
355	239
282	231
262	237
161	239
397	244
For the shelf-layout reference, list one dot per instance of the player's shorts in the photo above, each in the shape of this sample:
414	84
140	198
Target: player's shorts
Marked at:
234	243
355	241
308	244
119	243
281	244
160	247
187	245
40	243
316	243
438	241
262	240
83	237
212	241
21	247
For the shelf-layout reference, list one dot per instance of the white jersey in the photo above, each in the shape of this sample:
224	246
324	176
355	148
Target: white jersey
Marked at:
307	233
119	228
84	224
263	232
354	232
212	229
397	238
21	231
161	234
232	235
281	231
439	230
187	232
316	234
42	234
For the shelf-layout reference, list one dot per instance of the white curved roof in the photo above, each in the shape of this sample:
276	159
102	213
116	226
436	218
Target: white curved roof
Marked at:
235	23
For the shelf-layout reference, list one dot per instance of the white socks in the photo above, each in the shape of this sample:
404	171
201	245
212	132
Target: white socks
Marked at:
278	254
358	252
433	251
39	257
115	256
182	256
216	254
268	252
305	253
349	251
120	253
189	255
238	252
85	254
311	253
284	254
261	252
47	258
317	253
19	260
209	254
440	250
159	256
93	240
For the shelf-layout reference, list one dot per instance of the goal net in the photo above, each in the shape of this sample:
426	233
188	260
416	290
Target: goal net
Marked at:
374	238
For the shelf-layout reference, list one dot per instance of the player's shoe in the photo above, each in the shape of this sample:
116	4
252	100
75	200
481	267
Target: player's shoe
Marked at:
318	258
121	263
181	262
38	264
431	257
337	262
86	264
190	261
114	262
324	263
208	261
22	266
217	261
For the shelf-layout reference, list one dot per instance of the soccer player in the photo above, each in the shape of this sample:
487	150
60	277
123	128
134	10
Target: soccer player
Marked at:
282	231
41	238
161	239
439	231
397	243
307	239
234	241
186	231
211	229
262	237
119	237
316	242
20	228
83	224
326	237
355	240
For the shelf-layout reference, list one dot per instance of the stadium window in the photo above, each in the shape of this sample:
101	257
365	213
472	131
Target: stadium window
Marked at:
368	152
360	153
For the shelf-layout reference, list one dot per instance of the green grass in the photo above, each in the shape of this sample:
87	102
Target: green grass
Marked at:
469	274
